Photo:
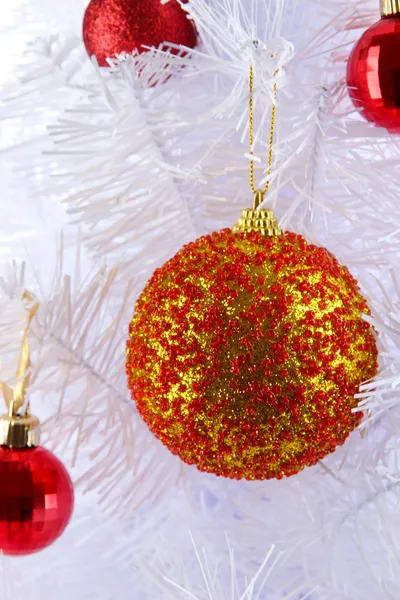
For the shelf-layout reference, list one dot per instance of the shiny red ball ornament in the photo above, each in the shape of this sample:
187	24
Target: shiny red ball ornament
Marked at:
373	74
36	499
111	27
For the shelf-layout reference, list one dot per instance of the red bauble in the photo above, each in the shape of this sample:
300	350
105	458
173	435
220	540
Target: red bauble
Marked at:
373	74
111	27
36	500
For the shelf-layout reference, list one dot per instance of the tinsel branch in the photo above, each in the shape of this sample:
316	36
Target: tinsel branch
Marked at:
129	175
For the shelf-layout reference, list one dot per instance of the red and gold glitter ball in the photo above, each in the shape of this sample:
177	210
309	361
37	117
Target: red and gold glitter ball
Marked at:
112	27
246	352
373	74
36	499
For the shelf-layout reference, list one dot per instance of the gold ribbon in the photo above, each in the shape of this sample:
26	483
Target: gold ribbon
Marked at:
15	398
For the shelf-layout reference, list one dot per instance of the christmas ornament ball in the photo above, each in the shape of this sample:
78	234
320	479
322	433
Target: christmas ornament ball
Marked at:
112	27
245	354
36	499
373	74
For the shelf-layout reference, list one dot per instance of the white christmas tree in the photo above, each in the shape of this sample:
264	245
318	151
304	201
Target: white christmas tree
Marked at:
105	176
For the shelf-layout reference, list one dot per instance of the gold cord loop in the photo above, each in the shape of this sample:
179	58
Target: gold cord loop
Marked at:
23	371
271	134
260	221
20	430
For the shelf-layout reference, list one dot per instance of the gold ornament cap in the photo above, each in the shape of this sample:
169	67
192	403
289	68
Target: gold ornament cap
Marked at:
262	221
390	8
19	431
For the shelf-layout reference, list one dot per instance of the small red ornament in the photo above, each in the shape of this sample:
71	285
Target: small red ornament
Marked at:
111	27
373	71
36	492
36	499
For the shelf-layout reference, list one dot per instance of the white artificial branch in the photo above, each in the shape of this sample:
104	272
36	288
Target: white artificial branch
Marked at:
129	175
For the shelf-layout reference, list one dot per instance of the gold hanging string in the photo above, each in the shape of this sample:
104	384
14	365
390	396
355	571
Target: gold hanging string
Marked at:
259	194
15	398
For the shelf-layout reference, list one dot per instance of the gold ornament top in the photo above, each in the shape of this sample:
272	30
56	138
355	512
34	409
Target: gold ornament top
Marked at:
20	430
262	221
390	8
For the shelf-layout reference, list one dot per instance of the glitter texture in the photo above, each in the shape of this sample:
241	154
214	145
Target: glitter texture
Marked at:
111	27
36	500
245	354
373	74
